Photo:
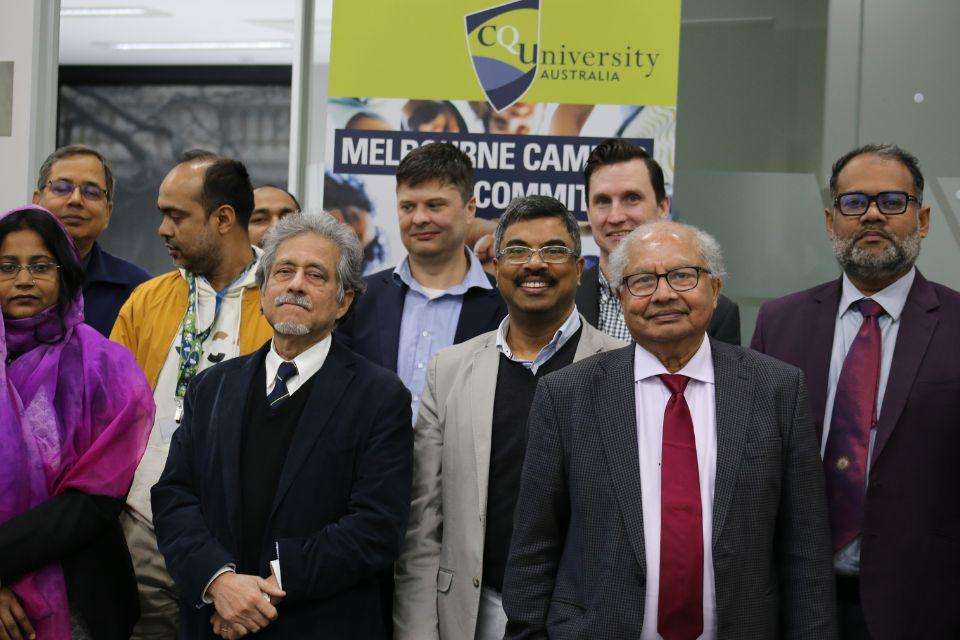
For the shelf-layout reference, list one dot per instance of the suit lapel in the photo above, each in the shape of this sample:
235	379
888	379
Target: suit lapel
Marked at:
230	421
917	323
734	412
332	381
818	343
390	305
590	343
476	314
588	295
482	383
617	423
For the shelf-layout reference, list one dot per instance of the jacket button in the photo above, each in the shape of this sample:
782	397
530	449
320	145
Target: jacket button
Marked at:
476	581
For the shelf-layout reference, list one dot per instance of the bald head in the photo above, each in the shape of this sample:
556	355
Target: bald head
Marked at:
659	236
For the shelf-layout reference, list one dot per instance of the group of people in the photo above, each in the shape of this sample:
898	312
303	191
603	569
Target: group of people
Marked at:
265	441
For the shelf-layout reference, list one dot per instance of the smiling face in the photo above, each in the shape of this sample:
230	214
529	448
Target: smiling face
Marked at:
537	287
433	219
85	218
26	295
666	318
621	199
875	248
299	297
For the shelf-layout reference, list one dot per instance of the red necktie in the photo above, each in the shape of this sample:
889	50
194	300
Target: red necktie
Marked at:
854	414
680	606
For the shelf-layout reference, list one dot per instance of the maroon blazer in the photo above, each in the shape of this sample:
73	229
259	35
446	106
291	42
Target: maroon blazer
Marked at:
910	555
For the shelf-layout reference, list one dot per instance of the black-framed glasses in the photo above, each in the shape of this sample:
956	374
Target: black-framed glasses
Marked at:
65	188
889	203
643	284
37	270
552	253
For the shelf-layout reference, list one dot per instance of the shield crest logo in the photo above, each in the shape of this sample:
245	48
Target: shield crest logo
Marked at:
504	43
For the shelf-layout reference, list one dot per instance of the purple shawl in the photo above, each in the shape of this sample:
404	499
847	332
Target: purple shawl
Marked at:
75	414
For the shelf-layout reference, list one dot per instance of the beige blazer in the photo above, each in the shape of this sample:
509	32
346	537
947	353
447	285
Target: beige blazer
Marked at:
439	573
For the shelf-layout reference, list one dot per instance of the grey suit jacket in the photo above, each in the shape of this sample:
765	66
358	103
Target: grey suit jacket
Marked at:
439	573
577	564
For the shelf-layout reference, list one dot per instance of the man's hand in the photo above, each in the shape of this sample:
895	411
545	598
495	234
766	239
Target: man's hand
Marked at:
225	629
485	252
14	624
272	581
244	600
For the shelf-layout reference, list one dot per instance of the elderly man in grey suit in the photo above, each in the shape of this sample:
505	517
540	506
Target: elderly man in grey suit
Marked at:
671	489
470	435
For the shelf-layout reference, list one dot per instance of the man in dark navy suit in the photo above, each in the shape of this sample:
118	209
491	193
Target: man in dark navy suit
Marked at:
439	294
287	488
77	185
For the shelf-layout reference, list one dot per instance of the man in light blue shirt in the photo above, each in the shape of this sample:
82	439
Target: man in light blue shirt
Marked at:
438	295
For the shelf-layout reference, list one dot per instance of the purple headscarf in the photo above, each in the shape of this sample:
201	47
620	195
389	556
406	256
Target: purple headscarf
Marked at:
74	414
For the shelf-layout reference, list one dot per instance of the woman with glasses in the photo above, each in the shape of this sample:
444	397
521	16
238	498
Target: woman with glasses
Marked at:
75	414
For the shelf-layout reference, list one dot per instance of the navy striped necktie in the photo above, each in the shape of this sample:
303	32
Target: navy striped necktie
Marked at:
286	371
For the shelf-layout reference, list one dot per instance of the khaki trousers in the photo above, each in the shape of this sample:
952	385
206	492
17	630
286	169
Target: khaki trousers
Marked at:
159	608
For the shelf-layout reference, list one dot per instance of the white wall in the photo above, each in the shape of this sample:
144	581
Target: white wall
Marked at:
28	38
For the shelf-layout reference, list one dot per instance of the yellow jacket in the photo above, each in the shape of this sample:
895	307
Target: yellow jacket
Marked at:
148	321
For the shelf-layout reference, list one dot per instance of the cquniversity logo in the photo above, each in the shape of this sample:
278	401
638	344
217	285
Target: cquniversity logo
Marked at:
503	43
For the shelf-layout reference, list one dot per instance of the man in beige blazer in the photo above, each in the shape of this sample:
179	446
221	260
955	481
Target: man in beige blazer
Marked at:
470	435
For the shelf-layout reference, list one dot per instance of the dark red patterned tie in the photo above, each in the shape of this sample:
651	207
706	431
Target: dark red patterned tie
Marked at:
680	606
854	414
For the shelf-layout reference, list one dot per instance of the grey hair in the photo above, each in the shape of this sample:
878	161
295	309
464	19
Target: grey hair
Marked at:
707	247
350	265
531	208
77	150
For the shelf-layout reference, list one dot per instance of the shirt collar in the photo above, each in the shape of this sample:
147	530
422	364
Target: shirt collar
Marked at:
476	276
700	367
892	298
307	363
569	327
247	280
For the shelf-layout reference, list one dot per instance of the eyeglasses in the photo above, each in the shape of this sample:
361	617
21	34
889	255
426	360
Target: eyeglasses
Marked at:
37	270
889	203
64	188
641	285
553	254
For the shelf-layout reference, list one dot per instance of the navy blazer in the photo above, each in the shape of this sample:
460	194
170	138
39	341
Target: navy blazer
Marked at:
910	554
340	510
373	327
724	325
109	282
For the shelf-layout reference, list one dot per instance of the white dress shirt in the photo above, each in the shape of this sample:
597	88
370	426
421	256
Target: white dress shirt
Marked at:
307	363
892	299
651	399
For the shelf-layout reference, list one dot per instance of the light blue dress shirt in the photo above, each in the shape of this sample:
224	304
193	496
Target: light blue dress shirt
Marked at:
892	299
570	326
429	322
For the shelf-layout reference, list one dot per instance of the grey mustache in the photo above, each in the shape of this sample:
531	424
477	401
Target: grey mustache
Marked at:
289	298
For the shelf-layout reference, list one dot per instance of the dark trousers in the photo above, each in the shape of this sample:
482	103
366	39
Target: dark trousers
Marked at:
850	619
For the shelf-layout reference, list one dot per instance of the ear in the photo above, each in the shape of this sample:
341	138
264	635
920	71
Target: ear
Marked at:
828	220
344	305
471	207
36	196
580	263
923	221
663	208
225	219
716	284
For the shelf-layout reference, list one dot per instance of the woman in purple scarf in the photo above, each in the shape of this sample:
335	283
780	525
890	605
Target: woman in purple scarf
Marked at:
75	414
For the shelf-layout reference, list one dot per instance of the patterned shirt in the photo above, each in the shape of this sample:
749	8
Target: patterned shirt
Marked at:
611	320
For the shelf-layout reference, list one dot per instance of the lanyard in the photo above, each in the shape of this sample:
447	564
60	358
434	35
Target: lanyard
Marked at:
191	340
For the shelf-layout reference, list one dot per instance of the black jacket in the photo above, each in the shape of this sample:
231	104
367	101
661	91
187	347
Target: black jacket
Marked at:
340	509
82	533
